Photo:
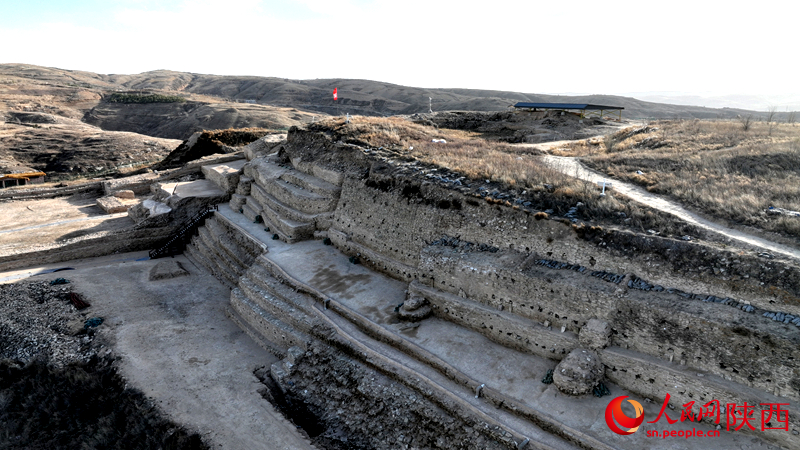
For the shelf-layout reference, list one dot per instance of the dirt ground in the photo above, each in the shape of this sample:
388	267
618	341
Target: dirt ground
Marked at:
64	147
177	346
26	224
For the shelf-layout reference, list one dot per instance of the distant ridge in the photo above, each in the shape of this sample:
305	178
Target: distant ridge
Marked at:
355	96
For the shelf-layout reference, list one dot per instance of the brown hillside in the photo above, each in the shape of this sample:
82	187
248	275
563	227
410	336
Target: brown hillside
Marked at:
85	96
355	96
65	148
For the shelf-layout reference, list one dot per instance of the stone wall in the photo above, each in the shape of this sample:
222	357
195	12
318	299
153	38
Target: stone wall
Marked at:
390	221
397	218
651	379
88	246
686	317
504	328
711	337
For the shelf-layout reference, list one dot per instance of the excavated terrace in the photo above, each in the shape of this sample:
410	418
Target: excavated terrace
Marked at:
500	297
362	302
408	313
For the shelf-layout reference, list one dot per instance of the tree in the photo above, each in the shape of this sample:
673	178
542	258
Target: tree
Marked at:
771	111
746	121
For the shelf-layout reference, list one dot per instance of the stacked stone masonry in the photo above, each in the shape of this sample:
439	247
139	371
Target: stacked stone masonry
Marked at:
224	250
291	203
535	291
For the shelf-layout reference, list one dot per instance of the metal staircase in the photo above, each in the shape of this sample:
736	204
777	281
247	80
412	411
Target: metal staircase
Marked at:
176	242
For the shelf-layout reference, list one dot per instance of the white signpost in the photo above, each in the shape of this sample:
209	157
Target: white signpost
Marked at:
603	184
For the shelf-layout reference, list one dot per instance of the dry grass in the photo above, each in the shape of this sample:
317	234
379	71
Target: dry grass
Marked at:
713	166
465	152
508	166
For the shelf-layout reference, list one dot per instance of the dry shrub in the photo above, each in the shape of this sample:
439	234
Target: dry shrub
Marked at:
509	166
584	147
480	159
464	151
715	167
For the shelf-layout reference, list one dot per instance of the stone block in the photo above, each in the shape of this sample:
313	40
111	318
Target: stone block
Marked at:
167	269
139	184
147	209
226	175
125	194
243	188
579	372
263	146
595	334
414	302
294	355
113	205
237	202
416	308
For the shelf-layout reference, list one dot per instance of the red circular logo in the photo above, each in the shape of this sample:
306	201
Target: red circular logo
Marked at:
614	416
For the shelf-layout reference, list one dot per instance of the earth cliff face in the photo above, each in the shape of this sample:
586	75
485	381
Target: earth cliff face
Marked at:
180	120
65	147
63	122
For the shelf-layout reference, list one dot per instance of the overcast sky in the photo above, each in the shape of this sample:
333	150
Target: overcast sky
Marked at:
594	47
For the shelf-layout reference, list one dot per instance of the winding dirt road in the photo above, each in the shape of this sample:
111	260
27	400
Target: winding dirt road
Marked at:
573	167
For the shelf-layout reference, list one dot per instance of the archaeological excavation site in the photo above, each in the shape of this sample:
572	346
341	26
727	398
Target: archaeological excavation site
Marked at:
403	305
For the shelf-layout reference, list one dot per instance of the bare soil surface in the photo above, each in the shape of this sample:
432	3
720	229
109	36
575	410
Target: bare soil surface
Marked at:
279	96
573	167
65	147
28	224
181	120
83	96
62	122
175	344
59	388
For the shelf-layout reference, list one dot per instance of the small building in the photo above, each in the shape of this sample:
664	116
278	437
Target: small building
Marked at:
21	179
584	110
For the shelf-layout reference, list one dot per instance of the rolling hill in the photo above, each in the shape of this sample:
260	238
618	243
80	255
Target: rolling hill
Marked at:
269	99
174	105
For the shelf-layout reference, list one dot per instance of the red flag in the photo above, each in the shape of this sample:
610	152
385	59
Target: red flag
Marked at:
335	95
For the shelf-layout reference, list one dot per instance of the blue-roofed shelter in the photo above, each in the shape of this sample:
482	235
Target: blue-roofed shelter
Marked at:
582	109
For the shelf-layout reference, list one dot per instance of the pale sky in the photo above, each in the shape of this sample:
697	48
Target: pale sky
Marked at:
557	46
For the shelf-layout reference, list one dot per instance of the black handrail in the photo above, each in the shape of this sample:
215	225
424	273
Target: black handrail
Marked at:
176	241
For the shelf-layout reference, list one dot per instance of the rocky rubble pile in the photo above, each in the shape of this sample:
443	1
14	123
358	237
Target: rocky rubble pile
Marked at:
57	391
511	126
350	406
38	321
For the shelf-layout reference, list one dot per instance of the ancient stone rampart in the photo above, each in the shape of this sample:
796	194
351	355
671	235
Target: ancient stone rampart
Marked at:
690	319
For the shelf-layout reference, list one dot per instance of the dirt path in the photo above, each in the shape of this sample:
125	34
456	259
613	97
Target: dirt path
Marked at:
571	166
